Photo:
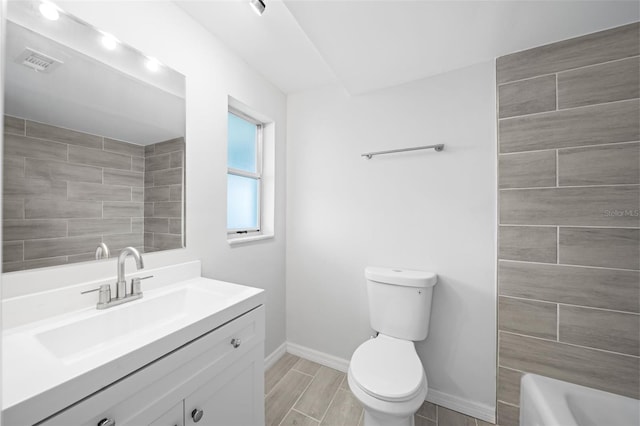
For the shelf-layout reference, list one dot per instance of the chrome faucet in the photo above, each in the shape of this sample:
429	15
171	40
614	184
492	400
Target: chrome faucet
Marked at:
105	300
121	283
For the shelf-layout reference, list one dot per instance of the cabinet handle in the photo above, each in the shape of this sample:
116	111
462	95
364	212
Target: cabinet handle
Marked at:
235	343
107	422
196	415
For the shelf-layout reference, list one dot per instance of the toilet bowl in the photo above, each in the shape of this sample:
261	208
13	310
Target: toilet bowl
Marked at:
385	373
387	377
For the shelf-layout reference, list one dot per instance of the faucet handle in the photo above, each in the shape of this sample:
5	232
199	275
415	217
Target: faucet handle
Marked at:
135	284
105	293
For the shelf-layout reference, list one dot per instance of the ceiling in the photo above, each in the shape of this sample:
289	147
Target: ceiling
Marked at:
365	45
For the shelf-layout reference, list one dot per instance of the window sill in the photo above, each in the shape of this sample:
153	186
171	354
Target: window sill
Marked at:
248	239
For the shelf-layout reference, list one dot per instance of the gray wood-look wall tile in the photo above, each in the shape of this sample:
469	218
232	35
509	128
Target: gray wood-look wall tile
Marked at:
112	209
316	399
169	146
12	209
78	191
167	177
284	395
13	230
599	165
34	188
508	415
167	241
149	149
527	317
603	46
12	251
22	146
119	241
157	162
167	209
99	158
14	125
606	247
588	367
37	249
51	209
592	125
154	224
137	164
527	96
13	167
509	385
175	193
345	410
575	285
609	82
123	177
84	257
148	209
137	194
137	225
448	417
157	193
278	370
596	328
122	147
588	206
59	134
37	263
48	169
148	242
528	243
78	227
527	169
177	159
175	226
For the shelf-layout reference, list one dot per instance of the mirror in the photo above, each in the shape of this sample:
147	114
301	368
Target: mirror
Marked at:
93	143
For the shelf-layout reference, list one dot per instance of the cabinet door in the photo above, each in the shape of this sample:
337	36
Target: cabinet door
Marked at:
233	398
173	417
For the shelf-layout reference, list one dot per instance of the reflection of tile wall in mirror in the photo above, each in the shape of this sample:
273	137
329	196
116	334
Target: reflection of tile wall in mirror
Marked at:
75	136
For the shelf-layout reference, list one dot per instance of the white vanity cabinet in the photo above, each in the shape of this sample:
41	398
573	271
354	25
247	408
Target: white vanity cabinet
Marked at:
216	379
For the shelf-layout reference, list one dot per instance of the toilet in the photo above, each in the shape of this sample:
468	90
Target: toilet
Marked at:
385	373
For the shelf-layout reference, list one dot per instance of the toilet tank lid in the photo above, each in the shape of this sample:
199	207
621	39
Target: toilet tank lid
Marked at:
398	276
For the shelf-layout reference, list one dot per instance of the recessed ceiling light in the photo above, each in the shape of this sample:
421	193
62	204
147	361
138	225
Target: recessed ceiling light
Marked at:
109	41
258	6
49	10
152	64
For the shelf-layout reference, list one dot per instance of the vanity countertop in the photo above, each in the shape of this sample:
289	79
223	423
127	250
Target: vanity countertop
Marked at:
52	363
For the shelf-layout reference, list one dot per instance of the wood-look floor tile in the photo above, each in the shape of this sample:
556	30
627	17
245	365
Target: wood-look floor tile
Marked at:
306	366
345	383
278	370
316	399
428	410
282	397
423	421
361	422
508	415
295	418
448	417
345	410
483	423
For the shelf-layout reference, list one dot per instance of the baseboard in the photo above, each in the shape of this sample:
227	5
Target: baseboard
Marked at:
327	360
274	356
452	402
465	406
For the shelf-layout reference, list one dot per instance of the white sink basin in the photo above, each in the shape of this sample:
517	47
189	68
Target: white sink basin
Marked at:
118	325
549	402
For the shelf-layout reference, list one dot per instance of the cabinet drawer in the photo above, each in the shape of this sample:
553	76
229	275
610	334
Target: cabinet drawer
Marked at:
140	398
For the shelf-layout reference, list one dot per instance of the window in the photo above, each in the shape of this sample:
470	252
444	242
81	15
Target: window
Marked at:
244	173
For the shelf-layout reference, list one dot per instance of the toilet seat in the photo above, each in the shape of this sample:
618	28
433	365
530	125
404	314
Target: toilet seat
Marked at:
387	368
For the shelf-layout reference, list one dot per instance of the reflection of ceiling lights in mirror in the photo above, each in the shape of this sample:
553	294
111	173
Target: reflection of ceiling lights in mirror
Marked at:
153	64
49	11
258	6
109	41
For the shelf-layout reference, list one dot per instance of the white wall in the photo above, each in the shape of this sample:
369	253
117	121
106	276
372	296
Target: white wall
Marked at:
161	29
422	210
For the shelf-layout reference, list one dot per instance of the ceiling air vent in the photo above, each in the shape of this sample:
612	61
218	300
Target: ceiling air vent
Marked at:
37	61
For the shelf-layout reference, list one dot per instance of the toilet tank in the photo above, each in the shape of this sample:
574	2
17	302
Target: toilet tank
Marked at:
400	301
